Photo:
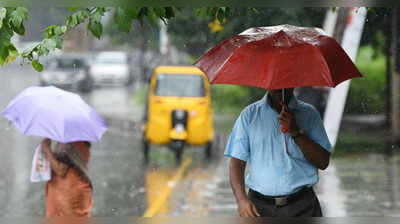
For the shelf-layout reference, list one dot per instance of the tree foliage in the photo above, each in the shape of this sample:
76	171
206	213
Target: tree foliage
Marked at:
12	22
192	33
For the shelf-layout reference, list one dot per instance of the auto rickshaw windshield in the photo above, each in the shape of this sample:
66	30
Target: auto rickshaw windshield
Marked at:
180	85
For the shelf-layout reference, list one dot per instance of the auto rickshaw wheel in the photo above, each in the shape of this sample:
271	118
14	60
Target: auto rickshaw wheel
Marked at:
146	151
208	150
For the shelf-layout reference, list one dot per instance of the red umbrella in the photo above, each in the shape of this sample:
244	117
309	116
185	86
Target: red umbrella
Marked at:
278	57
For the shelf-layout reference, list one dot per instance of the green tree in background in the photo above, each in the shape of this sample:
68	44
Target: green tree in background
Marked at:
12	22
191	33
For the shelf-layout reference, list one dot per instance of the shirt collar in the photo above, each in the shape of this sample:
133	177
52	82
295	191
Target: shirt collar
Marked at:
292	103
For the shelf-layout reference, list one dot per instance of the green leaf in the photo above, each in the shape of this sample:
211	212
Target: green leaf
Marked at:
37	66
77	18
74	8
82	15
123	20
59	42
12	49
46	46
97	15
3	54
49	31
19	29
18	16
333	9
13	54
59	30
16	19
95	28
3	13
71	21
10	59
5	35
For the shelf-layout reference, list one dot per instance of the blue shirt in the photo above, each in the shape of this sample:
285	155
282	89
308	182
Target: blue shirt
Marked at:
257	138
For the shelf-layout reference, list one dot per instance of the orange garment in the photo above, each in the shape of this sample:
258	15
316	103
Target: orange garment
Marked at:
69	195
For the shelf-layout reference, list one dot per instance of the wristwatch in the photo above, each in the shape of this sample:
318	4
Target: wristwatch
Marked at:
299	133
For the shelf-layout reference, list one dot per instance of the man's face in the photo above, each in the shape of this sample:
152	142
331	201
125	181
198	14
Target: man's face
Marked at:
276	95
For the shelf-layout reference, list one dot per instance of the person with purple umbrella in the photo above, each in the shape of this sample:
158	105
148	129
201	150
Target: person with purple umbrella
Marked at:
69	191
66	118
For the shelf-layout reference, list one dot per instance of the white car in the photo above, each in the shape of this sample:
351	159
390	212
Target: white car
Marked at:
68	71
111	67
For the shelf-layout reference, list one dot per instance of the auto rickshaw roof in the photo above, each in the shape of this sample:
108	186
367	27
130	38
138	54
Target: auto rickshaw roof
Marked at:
178	70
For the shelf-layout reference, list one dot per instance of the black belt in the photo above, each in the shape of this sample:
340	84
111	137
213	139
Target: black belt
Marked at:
281	200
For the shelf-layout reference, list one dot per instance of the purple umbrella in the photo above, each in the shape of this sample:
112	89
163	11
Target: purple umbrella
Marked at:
56	114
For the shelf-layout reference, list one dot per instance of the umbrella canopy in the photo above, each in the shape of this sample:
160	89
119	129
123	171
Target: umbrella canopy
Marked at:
278	57
56	114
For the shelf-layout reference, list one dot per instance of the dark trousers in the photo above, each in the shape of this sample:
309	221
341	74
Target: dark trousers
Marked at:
305	205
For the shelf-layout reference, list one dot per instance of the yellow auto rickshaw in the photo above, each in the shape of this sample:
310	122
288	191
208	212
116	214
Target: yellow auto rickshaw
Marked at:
178	110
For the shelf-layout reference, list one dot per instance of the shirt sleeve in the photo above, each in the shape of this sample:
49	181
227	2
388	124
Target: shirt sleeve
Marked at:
318	133
238	142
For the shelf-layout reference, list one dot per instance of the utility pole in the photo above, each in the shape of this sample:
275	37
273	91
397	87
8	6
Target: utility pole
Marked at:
354	23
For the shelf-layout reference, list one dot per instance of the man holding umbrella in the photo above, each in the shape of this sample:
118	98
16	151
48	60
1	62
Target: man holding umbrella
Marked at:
283	166
282	138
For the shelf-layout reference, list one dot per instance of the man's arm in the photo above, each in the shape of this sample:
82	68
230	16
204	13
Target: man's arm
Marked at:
236	174
312	151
